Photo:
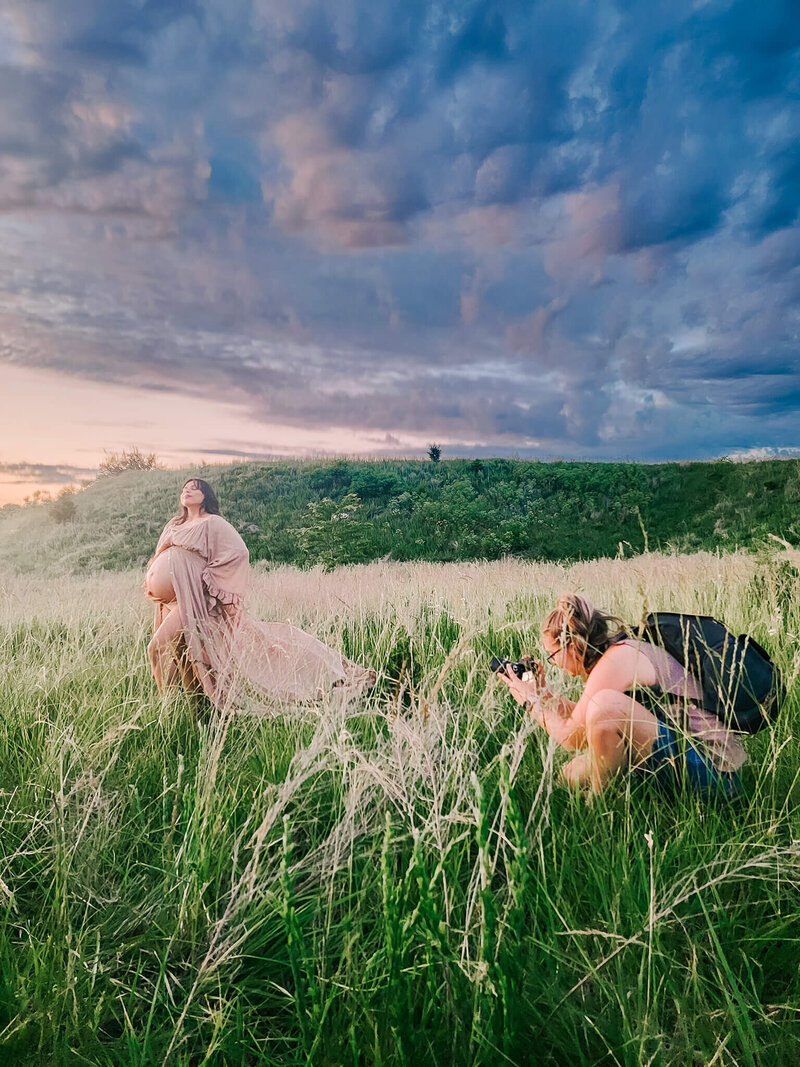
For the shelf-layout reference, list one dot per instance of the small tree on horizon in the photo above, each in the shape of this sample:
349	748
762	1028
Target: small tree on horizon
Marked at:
131	459
38	496
64	509
434	453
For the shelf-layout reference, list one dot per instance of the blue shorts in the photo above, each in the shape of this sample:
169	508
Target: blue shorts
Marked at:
675	761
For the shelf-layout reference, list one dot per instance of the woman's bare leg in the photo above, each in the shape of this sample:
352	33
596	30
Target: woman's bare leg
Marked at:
577	772
620	733
162	650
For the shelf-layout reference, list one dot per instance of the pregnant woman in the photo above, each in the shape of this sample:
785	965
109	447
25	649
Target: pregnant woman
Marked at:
204	640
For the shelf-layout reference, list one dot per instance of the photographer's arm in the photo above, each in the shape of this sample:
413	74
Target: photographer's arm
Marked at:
555	714
561	718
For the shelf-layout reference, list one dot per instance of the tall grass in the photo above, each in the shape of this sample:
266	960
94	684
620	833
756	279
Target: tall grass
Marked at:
398	881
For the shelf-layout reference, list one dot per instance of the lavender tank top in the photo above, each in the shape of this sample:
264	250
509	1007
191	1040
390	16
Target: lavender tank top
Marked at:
722	745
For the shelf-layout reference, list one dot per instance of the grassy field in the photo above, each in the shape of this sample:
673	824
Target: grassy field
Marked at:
402	881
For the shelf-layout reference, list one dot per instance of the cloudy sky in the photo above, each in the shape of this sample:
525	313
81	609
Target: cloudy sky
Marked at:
266	227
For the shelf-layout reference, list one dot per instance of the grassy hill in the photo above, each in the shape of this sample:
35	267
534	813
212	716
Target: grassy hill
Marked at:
349	511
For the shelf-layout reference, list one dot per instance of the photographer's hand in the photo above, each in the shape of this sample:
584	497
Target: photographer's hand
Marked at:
555	714
530	692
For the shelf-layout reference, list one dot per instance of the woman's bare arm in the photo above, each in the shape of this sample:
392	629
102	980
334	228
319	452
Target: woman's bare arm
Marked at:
555	713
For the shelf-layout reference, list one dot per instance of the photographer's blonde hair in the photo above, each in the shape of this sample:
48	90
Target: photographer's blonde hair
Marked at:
577	622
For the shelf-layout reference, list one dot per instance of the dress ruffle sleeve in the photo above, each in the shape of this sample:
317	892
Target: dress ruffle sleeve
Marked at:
227	567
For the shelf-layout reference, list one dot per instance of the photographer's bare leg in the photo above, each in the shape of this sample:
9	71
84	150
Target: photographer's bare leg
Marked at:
619	733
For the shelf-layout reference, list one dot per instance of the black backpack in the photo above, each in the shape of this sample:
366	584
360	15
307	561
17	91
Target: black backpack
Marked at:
739	682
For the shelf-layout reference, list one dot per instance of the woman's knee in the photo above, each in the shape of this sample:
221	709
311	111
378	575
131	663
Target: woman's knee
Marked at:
608	706
613	715
159	646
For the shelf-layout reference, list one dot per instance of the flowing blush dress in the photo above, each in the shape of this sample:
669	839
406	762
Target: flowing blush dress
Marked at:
202	568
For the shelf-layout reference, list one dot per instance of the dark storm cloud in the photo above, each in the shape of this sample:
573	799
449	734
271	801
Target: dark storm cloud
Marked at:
557	226
759	40
122	32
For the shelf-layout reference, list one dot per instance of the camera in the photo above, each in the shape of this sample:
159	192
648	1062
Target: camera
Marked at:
522	670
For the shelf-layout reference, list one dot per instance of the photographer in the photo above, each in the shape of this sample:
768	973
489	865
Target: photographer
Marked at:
609	728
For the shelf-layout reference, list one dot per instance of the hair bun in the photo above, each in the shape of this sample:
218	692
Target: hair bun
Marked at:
590	631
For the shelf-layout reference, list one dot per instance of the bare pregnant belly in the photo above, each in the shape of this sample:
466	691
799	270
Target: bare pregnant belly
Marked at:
158	580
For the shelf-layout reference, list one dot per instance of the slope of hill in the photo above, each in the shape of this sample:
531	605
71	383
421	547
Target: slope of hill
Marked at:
351	511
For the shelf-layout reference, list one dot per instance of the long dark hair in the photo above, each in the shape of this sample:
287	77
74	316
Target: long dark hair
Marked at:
575	621
210	503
